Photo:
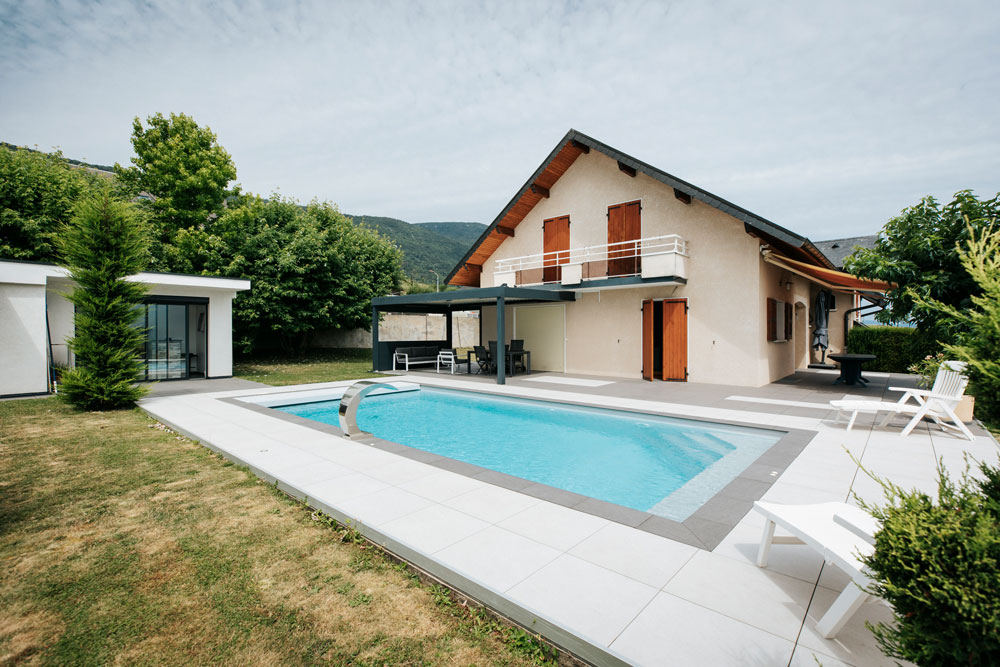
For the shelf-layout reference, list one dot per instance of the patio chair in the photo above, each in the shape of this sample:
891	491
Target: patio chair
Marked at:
517	360
938	403
493	356
449	359
839	532
482	358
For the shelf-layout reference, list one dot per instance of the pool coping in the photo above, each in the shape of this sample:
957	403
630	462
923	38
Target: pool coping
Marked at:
705	528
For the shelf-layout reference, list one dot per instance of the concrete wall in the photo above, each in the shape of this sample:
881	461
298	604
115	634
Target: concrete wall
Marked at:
23	342
405	327
726	320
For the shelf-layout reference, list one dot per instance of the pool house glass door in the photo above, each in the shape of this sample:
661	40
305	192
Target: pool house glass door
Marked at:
175	340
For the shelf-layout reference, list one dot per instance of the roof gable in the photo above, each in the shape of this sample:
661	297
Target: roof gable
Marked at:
569	148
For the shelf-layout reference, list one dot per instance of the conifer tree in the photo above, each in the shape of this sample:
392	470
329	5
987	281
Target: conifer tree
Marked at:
105	242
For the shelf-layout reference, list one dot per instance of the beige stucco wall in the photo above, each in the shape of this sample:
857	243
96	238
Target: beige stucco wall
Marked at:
604	330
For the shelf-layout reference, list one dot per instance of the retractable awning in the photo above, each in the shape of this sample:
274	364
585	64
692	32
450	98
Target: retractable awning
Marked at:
830	278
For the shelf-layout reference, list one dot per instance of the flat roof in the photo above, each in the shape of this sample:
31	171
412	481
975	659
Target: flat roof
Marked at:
474	296
38	273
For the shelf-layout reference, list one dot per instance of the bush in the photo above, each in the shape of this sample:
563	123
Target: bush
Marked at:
896	348
103	244
937	564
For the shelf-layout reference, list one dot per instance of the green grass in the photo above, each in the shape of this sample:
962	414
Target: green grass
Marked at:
122	542
312	366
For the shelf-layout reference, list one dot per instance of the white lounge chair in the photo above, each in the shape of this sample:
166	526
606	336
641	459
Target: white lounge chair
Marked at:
938	403
841	533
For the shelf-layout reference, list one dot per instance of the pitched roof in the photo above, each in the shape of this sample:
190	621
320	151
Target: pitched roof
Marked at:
570	147
836	250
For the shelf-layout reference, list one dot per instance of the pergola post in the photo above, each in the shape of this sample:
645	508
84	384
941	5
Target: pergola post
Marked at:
375	339
501	360
447	326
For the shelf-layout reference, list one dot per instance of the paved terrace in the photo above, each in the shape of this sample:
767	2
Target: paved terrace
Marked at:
606	590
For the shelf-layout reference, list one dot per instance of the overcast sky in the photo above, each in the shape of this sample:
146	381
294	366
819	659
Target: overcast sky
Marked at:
827	118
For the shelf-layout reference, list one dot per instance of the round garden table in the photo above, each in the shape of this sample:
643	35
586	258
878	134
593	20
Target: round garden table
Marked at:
850	367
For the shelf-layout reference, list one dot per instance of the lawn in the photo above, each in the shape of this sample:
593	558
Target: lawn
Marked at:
312	366
122	542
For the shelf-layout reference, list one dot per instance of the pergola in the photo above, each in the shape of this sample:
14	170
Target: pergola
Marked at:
459	300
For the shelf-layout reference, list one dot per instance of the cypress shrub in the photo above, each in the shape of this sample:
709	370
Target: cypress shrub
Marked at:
104	242
896	348
937	564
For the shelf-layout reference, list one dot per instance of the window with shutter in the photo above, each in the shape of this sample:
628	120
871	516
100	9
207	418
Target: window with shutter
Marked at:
772	320
779	321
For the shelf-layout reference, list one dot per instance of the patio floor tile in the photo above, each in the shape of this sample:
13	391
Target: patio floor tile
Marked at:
766	600
651	559
590	600
433	528
491	503
382	506
496	557
442	485
672	631
558	527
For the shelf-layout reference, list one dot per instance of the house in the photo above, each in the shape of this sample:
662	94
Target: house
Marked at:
188	321
605	265
837	250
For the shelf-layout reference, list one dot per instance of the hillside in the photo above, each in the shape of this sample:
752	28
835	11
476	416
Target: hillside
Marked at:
463	232
436	245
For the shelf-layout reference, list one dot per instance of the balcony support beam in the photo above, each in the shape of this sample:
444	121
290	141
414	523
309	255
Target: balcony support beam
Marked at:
682	196
540	191
625	169
506	231
582	147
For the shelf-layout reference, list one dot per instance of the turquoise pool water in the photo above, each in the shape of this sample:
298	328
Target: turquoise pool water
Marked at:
661	465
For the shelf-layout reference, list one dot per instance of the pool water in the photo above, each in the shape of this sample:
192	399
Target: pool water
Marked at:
663	465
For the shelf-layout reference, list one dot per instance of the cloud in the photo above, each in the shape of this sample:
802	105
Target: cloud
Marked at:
825	118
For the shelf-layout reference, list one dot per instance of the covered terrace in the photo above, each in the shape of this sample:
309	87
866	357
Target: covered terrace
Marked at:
457	300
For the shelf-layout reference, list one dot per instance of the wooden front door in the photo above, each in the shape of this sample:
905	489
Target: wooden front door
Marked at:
674	340
555	240
624	226
648	339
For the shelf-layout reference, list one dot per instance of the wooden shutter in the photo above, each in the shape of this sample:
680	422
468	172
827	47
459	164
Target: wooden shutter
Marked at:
772	320
788	321
647	340
555	239
624	224
674	340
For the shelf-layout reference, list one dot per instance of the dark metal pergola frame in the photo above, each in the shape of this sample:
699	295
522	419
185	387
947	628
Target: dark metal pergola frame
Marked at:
464	299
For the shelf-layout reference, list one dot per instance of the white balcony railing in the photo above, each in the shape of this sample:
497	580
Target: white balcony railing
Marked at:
651	257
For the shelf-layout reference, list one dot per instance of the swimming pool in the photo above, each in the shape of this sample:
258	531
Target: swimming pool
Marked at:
661	465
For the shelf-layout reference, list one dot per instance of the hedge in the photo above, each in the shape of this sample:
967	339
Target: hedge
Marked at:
896	348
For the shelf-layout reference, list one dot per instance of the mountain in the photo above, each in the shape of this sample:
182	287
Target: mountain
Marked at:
463	232
433	245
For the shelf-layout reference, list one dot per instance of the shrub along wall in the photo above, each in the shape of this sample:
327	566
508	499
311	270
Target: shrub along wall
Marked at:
896	348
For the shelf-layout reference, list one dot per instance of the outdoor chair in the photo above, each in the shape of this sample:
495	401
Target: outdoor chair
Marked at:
839	532
482	358
449	359
517	345
938	403
493	356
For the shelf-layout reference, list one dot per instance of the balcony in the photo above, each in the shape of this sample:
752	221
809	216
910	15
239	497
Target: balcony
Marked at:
652	257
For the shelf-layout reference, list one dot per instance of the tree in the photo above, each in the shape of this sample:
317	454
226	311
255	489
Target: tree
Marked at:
104	243
978	344
37	194
184	169
311	268
918	251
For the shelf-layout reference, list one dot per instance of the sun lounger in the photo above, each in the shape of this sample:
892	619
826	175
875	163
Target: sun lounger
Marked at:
938	403
841	533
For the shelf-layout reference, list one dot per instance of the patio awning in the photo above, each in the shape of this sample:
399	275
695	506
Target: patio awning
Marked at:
830	278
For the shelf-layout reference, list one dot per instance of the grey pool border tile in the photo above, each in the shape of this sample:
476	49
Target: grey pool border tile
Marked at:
705	528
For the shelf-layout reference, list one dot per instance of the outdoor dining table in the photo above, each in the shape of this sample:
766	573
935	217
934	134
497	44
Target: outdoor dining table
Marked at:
850	367
511	356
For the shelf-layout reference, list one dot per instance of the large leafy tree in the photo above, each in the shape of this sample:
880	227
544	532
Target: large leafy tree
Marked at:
105	242
184	169
37	195
311	268
919	251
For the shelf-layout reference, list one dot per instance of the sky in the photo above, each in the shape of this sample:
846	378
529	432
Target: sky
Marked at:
826	118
